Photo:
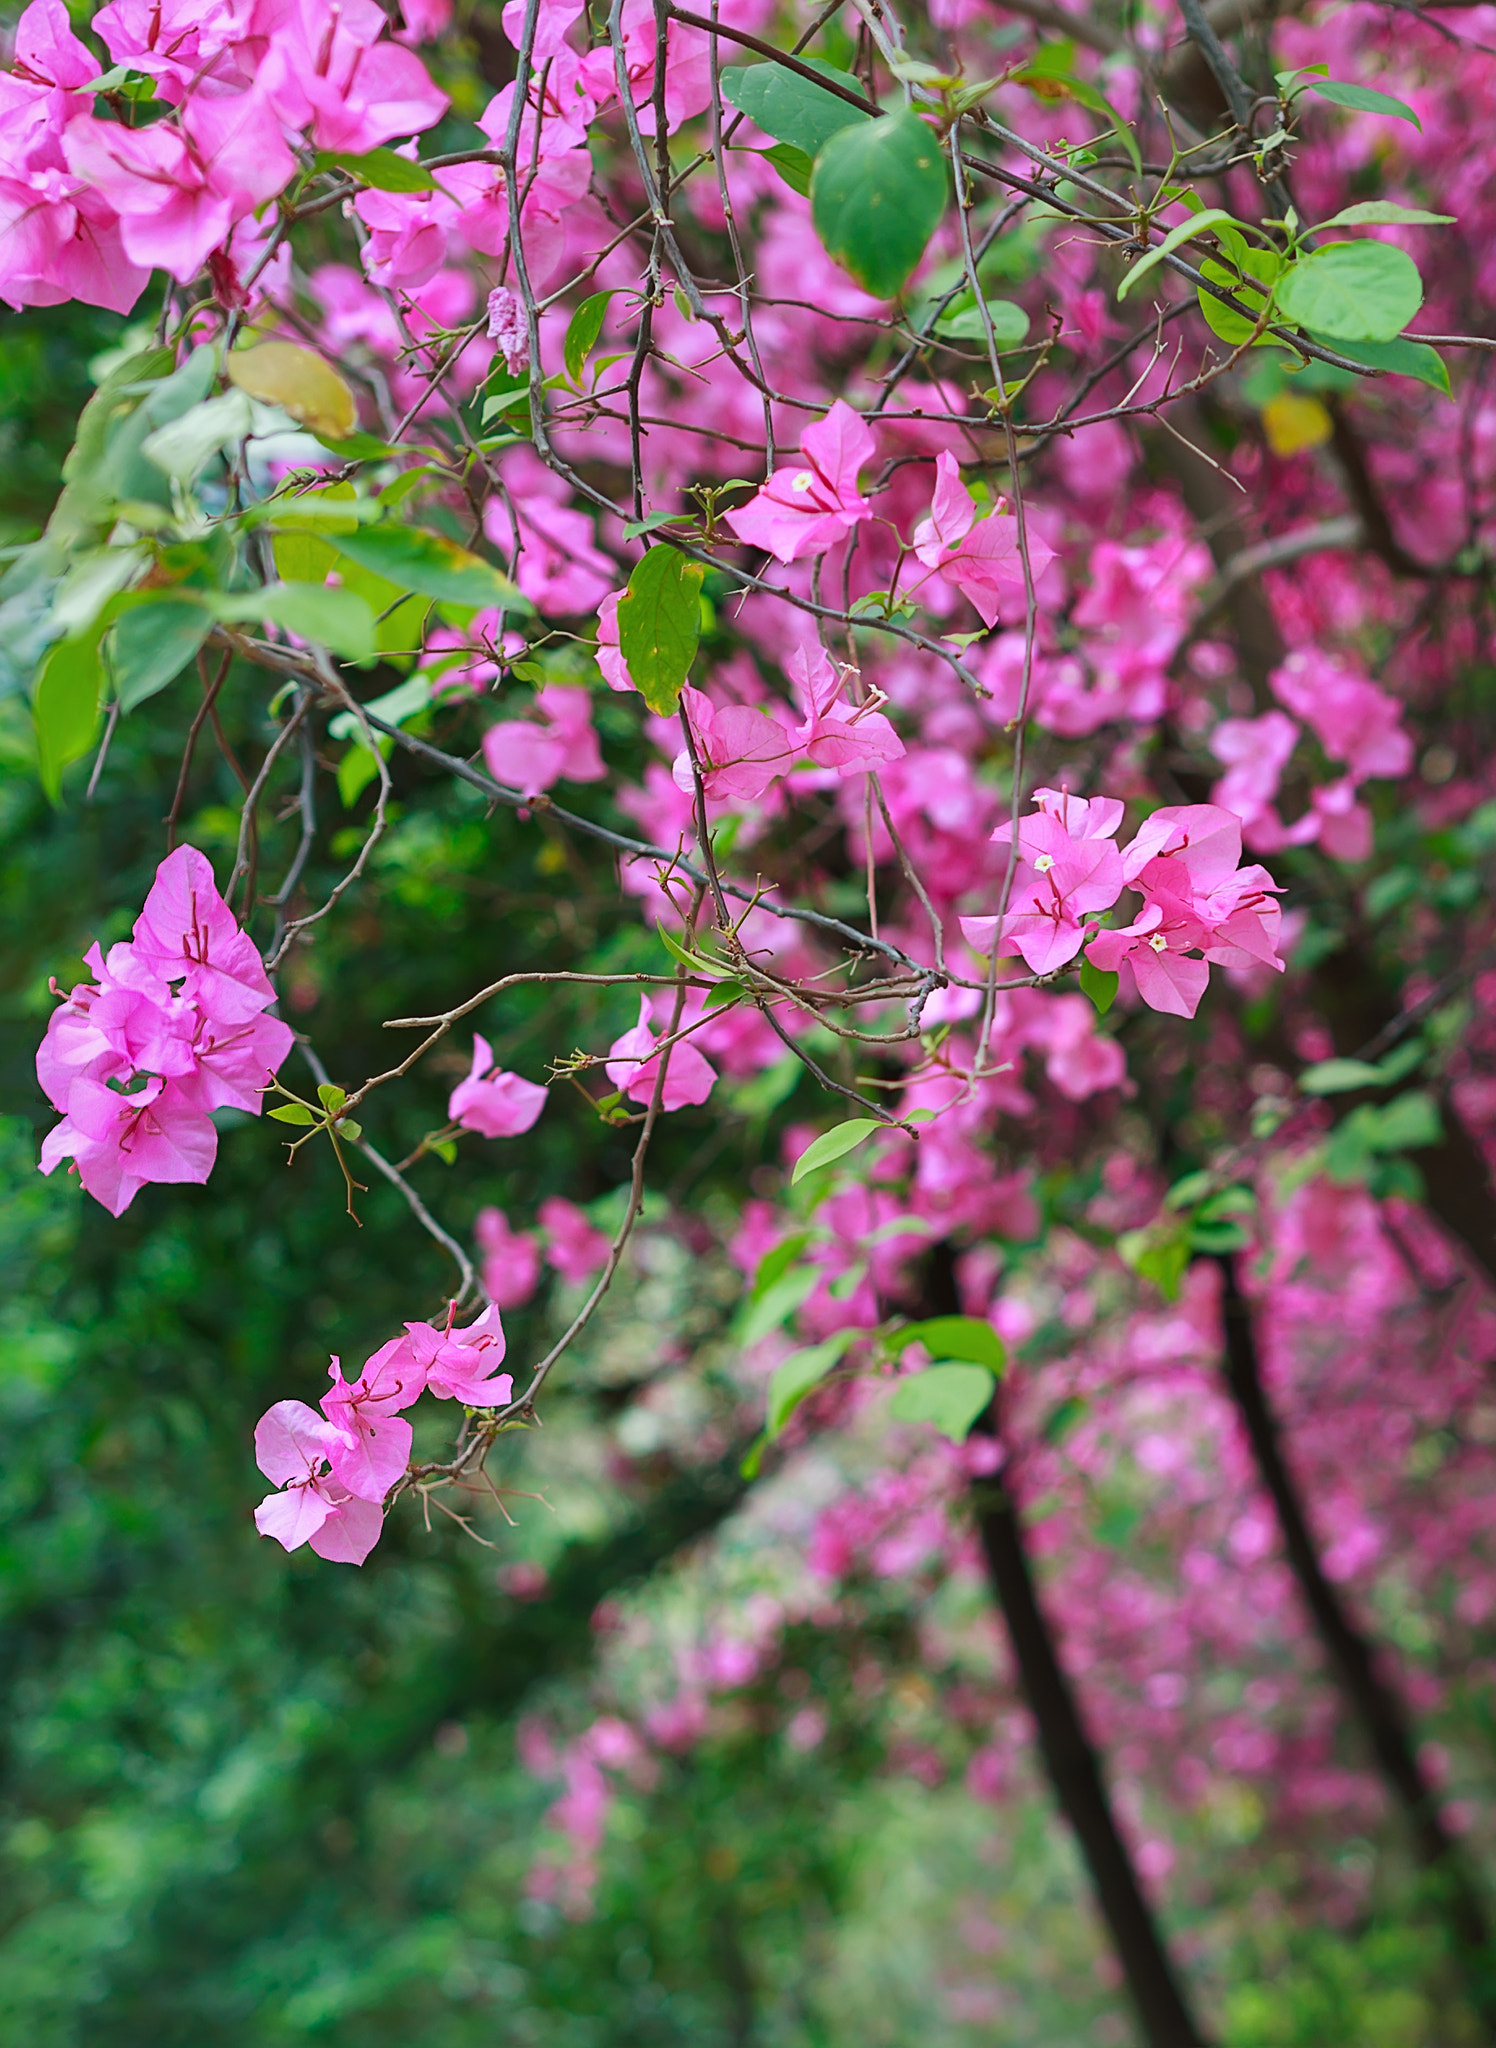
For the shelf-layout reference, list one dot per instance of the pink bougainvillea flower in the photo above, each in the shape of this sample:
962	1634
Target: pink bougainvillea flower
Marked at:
121	1142
1197	901
835	734
740	750
980	557
463	1365
609	655
187	932
232	1063
373	1446
529	757
1067	868
327	74
1200	841
176	42
511	1259
805	510
497	1105
634	1064
508	331
560	567
294	1447
172	1028
423	20
1352	719
179	187
573	1246
1161	948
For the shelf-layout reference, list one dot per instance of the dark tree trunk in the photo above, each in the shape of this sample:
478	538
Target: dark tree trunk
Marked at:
1069	1755
1075	1773
1373	1701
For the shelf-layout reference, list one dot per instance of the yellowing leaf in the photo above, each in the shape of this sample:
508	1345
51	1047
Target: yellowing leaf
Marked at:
310	390
1294	421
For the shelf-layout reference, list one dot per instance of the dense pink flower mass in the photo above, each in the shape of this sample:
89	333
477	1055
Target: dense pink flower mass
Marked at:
89	207
172	1027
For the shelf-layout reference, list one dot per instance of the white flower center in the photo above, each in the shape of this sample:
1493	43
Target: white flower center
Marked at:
802	482
1159	943
1044	862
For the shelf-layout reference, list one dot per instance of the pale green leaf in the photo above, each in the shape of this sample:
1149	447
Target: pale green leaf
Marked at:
794	1377
950	1396
414	559
1352	291
582	333
1365	99
384	169
151	644
1186	231
66	708
833	1145
966	1338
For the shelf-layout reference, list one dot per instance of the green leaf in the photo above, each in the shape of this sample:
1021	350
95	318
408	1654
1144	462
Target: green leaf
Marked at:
1364	99
394	707
793	165
950	1396
775	1305
1401	358
789	107
659	625
414	559
1368	213
1262	267
1062	1418
66	708
330	1095
384	169
357	769
966	1338
1099	985
349	1128
293	1113
877	197
1335	1077
699	963
337	619
1010	324
794	1377
582	333
778	1261
180	449
834	1144
358	447
1352	291
634	529
150	646
1186	231
1408	1123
